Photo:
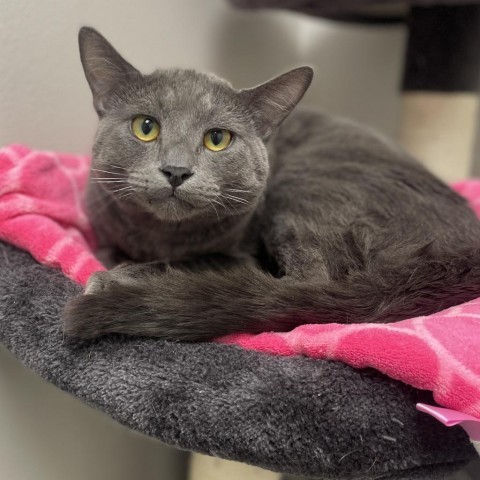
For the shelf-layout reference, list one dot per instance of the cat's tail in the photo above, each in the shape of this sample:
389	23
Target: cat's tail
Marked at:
194	306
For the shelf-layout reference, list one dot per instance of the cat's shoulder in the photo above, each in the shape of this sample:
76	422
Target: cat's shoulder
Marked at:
316	126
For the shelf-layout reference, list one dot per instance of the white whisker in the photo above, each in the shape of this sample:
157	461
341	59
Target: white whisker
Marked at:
106	171
117	166
122	189
235	211
213	206
233	198
112	179
237	190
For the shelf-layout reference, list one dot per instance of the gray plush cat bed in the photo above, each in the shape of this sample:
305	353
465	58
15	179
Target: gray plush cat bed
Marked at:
348	9
295	415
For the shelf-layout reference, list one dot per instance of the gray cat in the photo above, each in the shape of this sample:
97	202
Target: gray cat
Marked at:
248	224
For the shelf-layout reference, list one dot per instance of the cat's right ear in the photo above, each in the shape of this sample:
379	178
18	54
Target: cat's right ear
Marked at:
271	102
104	68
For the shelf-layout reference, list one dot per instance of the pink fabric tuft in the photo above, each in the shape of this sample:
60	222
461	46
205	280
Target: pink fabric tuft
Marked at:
41	212
41	209
439	352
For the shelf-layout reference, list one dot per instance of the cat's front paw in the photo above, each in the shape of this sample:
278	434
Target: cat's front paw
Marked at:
97	282
127	273
82	317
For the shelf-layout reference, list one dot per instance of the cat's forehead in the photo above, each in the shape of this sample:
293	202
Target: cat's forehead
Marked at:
201	81
175	87
184	97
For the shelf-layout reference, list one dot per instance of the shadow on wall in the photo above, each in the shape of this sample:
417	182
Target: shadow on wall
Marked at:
253	47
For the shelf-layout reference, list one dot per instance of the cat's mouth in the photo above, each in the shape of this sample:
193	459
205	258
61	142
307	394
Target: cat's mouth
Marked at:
172	198
172	204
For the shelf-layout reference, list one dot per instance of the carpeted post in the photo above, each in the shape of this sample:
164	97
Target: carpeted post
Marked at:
440	88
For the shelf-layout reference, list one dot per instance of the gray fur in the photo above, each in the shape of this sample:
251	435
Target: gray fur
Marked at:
289	414
326	220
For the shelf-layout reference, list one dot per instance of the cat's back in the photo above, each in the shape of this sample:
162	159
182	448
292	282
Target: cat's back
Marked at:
333	180
314	152
309	135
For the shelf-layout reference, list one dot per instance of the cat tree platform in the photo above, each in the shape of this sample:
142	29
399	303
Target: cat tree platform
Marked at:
286	414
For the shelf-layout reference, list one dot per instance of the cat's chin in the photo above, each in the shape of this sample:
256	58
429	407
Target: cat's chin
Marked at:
171	208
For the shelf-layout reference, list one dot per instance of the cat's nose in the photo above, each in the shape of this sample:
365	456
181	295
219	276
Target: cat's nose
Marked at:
176	175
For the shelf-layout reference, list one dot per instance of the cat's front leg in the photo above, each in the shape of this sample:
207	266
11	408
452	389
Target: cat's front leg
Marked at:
131	273
127	273
192	301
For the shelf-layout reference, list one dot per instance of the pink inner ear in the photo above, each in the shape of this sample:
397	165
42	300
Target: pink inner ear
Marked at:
451	418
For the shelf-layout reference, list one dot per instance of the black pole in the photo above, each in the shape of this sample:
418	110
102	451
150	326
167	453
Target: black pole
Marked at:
443	51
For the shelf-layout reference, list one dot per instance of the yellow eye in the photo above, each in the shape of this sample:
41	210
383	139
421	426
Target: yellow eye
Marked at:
217	139
145	128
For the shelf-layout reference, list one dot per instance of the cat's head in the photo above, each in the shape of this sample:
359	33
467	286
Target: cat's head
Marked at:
179	143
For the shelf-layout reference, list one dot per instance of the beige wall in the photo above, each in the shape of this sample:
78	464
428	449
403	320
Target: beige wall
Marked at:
45	101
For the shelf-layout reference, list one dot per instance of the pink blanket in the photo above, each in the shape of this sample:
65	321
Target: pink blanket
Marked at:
41	212
41	209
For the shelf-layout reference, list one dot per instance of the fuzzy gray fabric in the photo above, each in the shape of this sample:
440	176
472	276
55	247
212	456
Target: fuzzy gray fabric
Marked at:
338	8
294	415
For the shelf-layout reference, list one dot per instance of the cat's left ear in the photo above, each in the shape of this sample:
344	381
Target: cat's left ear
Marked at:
271	102
104	67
